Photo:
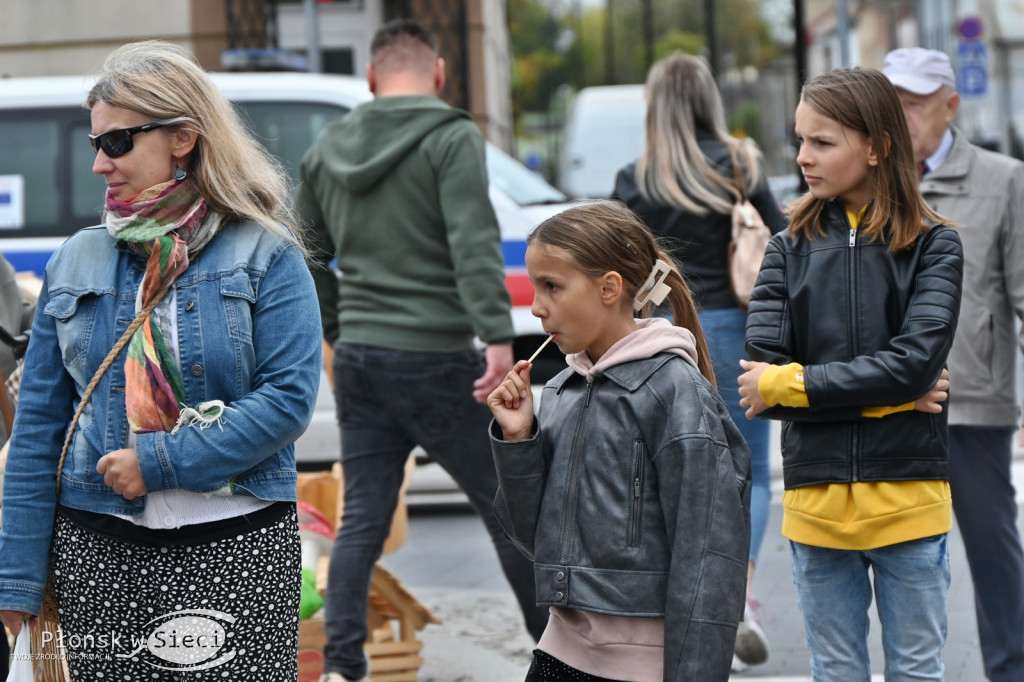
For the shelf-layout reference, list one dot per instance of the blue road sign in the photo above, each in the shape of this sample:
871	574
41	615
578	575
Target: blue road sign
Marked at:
972	68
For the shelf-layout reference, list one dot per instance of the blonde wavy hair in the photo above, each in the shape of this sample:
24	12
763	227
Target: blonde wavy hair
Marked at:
235	174
682	98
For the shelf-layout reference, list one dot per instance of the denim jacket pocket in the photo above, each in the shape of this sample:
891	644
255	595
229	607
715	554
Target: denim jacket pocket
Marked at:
75	316
239	297
238	285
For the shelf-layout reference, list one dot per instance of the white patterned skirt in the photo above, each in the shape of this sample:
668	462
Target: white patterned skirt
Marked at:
212	601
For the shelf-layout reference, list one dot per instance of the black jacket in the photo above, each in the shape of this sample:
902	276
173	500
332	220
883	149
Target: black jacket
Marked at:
871	329
700	243
633	499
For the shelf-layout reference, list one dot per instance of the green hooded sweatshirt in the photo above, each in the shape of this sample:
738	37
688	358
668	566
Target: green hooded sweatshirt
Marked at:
397	191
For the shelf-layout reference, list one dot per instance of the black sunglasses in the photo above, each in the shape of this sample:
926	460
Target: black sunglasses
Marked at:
115	143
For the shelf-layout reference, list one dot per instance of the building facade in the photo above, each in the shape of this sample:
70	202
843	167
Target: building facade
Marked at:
983	38
56	37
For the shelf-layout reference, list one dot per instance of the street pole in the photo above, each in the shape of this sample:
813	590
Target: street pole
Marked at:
800	45
312	36
609	48
843	31
709	30
649	32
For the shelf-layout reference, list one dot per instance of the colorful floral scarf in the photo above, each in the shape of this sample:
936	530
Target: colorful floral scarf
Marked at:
165	225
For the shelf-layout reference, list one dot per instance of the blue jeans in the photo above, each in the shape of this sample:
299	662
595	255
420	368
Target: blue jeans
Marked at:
725	331
911	583
388	402
986	512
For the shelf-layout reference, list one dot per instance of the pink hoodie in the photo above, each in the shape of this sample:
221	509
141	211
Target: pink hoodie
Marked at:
653	335
617	647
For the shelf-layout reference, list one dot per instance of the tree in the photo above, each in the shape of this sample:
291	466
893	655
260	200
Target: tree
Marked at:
678	41
537	66
553	48
678	24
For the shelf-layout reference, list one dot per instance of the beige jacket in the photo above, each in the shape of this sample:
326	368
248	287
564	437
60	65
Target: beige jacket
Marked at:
983	192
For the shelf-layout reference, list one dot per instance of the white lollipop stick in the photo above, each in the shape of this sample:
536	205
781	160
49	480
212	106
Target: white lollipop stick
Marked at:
537	352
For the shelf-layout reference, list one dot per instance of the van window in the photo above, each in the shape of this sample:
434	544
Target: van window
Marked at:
30	149
49	148
516	180
87	189
288	129
39	144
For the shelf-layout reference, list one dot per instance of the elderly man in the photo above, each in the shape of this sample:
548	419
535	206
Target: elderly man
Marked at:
984	192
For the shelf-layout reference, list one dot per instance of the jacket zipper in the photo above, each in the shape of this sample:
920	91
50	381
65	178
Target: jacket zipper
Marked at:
574	469
638	474
854	458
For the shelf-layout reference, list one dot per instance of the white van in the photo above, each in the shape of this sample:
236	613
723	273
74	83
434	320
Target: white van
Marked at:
603	132
48	190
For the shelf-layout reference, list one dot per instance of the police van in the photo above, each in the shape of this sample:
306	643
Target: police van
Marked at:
48	189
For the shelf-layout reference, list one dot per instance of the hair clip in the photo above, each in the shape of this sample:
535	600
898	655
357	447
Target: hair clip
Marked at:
654	289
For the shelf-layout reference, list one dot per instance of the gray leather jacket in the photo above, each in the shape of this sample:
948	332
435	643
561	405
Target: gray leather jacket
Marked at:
633	499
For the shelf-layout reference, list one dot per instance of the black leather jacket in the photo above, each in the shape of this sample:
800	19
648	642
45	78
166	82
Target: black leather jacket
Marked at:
871	329
633	499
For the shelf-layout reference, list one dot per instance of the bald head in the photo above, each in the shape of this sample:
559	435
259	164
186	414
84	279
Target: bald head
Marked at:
404	61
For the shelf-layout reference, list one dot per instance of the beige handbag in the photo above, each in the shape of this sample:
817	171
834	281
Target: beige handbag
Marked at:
750	237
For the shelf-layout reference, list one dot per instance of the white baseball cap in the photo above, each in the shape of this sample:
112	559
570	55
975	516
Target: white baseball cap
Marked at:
918	70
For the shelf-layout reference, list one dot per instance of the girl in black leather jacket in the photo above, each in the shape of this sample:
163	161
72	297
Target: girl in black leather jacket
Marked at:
849	327
630	490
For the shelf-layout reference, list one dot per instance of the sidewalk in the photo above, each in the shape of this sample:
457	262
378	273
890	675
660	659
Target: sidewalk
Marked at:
481	639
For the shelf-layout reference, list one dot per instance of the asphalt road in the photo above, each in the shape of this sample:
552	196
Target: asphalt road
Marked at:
447	562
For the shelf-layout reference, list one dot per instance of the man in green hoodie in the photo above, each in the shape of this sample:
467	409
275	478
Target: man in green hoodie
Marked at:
396	191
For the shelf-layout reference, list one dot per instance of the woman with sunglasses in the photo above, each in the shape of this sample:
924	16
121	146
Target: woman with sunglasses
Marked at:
169	528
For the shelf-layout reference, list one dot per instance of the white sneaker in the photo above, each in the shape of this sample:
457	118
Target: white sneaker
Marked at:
751	642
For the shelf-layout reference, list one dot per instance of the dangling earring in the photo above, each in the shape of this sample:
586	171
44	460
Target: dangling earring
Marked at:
179	173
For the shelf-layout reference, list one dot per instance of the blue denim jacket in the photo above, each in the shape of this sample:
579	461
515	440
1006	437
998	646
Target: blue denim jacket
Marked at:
248	334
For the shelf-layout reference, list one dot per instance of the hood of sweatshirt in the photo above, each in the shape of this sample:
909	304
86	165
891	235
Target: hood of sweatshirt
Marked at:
359	148
653	335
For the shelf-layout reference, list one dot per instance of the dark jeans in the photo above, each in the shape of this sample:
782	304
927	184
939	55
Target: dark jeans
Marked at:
986	512
388	402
